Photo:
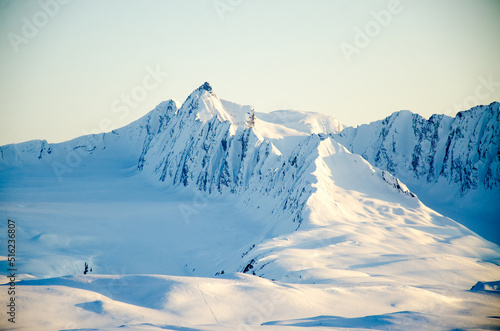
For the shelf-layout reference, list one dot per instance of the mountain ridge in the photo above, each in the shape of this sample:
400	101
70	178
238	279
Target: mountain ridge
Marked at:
451	163
404	144
201	221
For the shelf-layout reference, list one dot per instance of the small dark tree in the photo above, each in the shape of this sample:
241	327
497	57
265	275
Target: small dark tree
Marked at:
86	268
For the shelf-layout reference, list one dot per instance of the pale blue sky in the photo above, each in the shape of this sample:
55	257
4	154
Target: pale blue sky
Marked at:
69	76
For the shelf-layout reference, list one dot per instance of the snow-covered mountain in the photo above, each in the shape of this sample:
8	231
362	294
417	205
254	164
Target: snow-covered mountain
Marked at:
209	215
453	164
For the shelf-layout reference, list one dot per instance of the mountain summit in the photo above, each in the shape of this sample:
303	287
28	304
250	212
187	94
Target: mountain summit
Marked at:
205	87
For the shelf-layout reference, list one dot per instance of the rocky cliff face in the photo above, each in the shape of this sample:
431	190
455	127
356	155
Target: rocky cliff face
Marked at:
452	164
463	151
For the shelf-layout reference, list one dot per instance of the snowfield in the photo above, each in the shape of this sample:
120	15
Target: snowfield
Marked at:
210	216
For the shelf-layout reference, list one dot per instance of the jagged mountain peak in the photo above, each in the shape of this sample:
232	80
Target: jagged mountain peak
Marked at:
400	116
168	107
472	112
205	87
203	104
479	109
169	103
402	112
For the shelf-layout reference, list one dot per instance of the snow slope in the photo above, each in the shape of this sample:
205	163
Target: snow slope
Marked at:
452	164
193	219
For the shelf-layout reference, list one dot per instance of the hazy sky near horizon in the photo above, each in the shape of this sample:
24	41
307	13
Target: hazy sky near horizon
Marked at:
67	67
